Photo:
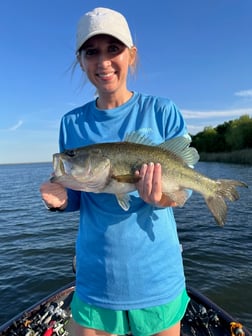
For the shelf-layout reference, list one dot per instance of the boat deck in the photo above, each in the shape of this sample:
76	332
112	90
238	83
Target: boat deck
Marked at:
52	316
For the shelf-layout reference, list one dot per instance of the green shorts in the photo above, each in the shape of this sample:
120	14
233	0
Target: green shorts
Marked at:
140	322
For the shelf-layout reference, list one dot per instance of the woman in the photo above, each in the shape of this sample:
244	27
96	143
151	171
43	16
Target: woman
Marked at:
129	274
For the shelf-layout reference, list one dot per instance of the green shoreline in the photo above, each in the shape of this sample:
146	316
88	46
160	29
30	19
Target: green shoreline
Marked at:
243	156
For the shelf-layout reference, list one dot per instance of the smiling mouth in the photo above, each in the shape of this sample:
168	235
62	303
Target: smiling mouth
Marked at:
106	76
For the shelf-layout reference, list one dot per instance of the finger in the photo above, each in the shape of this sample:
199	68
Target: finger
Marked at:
148	180
141	182
156	181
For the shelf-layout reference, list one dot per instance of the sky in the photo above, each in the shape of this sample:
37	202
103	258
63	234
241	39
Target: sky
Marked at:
198	53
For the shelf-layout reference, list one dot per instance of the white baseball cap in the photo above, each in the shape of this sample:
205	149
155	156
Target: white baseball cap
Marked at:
103	21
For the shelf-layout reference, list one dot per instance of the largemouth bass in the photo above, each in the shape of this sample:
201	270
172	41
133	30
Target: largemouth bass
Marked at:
110	168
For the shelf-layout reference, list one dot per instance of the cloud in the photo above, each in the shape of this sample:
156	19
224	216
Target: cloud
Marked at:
198	120
16	126
190	114
194	129
244	93
72	104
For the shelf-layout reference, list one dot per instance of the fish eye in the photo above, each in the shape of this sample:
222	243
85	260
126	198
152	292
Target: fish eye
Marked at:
70	152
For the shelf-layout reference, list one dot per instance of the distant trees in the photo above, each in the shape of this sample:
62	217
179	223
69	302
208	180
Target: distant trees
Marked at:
231	136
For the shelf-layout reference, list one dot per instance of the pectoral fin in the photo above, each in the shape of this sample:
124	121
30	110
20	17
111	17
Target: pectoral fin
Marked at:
128	178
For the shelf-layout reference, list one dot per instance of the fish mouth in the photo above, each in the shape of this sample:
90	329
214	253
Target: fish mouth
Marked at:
58	165
63	167
58	168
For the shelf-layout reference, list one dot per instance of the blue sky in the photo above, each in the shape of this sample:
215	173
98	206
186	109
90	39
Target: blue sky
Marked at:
196	52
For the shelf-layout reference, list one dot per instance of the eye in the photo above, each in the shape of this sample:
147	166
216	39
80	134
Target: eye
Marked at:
113	48
70	152
116	48
88	52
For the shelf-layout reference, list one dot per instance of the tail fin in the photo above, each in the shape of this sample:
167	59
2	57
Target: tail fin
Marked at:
226	190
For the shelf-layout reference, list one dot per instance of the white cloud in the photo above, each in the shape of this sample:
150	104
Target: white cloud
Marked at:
16	126
198	120
244	93
194	129
72	104
190	114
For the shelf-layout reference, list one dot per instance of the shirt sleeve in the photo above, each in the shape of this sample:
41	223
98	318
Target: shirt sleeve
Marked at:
73	196
174	122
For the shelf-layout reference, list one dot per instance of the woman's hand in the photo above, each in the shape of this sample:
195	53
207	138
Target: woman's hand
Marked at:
150	185
54	195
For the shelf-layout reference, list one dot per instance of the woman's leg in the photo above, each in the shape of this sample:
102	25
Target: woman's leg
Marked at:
81	331
173	331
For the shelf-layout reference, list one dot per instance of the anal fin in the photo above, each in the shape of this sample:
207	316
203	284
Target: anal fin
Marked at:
179	196
123	200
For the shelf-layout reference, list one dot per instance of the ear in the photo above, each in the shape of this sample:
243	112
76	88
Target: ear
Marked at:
80	61
133	55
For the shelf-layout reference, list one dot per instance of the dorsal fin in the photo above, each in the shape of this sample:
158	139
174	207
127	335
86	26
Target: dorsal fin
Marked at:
176	145
180	147
139	138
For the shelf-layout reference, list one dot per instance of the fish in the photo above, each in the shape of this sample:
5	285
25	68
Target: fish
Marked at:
110	167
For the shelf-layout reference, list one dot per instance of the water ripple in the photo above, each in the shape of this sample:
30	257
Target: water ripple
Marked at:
37	246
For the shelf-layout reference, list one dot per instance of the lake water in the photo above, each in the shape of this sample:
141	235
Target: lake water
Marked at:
37	246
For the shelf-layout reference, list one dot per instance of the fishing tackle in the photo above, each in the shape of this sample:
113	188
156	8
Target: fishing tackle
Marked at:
236	329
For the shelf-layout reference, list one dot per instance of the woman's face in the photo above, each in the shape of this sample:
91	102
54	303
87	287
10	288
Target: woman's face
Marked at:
106	62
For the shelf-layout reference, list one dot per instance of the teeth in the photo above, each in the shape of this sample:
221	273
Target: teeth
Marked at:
106	75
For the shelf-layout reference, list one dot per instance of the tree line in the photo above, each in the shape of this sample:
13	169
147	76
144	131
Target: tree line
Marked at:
233	135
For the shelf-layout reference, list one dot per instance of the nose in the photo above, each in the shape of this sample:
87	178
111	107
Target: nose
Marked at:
104	60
